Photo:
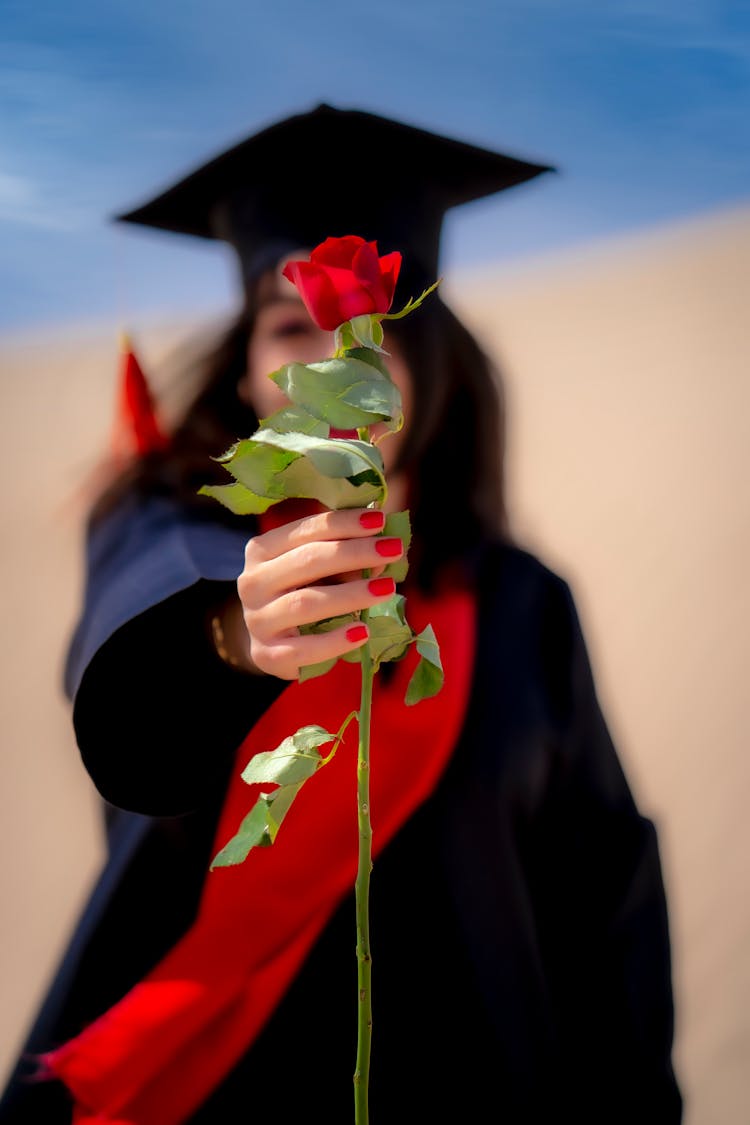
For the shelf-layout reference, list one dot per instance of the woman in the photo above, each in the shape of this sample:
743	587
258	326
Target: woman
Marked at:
519	931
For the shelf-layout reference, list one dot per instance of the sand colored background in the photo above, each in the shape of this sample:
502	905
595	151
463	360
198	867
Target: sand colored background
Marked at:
626	369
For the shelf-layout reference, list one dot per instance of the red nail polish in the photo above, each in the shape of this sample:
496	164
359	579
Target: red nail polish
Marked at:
372	519
379	587
389	548
356	633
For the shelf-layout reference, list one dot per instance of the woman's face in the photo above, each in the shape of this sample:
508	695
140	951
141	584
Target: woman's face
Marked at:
284	333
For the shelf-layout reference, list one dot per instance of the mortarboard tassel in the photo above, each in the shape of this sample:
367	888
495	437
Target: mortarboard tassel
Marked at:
137	428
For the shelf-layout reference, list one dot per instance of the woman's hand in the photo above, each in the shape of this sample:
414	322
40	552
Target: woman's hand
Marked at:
306	571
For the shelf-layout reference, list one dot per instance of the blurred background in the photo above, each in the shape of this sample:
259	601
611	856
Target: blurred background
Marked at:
614	296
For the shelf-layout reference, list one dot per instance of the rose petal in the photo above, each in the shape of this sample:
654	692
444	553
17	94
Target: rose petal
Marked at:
365	264
337	251
345	278
318	293
390	267
353	299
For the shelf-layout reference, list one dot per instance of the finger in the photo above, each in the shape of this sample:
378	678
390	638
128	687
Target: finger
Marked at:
312	562
353	575
346	524
316	603
284	657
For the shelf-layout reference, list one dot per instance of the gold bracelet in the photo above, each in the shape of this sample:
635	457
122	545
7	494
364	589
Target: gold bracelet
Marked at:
217	631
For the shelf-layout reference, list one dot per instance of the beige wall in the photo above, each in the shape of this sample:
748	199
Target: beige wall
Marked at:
626	374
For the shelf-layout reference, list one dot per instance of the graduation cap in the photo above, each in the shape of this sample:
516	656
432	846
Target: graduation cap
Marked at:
332	172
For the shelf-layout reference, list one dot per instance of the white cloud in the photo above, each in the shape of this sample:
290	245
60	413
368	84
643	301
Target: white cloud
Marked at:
21	201
45	111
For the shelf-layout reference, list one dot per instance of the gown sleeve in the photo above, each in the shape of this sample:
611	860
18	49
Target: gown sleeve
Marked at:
600	899
556	872
157	715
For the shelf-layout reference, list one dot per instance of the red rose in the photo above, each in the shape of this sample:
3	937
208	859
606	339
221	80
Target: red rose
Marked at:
345	278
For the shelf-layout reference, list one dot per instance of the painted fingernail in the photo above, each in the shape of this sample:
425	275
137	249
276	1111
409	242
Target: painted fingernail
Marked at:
389	548
379	587
356	633
372	519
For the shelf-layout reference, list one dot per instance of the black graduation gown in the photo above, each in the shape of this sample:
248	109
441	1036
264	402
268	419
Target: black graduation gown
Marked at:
521	962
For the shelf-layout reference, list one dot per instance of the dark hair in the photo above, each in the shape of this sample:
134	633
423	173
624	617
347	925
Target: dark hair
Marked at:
453	452
455	446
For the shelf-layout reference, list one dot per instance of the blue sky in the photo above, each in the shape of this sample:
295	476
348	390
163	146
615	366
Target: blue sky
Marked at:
644	105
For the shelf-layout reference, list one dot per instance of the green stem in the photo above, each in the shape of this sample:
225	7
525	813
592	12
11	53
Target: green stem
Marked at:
362	896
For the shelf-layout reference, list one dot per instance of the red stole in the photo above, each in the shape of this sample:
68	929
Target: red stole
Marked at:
156	1055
